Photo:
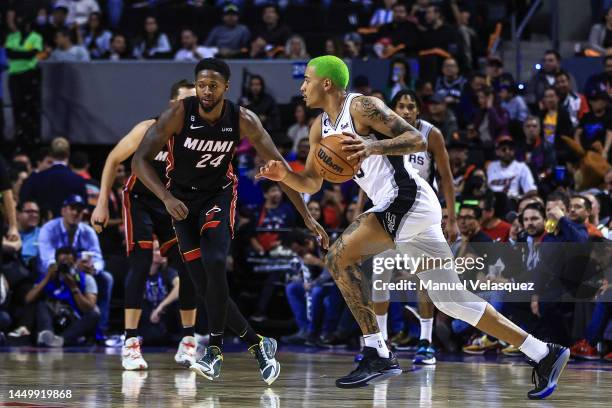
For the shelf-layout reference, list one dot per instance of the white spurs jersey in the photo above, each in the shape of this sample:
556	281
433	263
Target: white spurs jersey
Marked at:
382	178
423	162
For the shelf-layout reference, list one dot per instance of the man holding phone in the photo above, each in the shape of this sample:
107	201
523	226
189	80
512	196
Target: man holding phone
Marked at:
69	231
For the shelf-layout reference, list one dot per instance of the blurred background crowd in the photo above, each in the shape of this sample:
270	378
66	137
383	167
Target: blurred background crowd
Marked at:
523	155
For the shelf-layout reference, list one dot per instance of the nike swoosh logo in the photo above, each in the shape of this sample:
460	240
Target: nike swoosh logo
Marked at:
227	184
195	127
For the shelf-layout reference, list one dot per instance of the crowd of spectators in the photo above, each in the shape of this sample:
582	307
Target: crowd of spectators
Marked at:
531	169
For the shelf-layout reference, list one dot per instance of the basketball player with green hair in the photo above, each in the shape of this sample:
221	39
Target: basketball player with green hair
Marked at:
406	216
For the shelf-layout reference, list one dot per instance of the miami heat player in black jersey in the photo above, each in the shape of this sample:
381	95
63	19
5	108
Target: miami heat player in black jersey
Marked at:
145	217
202	134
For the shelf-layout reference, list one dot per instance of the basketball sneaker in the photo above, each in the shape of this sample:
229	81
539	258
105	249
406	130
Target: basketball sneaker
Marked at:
186	353
371	369
480	345
49	339
264	352
608	357
425	354
546	373
209	366
131	356
511	351
403	342
582	349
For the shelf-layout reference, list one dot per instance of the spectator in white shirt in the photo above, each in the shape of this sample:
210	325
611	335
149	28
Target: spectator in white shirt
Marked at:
79	10
66	50
575	103
95	37
154	43
383	15
507	175
190	50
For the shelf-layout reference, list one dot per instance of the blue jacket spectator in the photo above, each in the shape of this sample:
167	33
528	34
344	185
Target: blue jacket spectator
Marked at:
49	188
64	299
69	231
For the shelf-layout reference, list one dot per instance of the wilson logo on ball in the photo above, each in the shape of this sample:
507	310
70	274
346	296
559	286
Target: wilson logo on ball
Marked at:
329	161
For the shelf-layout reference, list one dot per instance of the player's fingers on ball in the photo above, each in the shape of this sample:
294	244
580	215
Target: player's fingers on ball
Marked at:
349	134
350	141
350	148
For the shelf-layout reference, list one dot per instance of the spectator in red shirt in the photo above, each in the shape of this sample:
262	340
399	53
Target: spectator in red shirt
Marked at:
497	229
303	147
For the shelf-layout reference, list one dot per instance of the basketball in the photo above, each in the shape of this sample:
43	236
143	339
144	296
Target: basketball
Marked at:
331	161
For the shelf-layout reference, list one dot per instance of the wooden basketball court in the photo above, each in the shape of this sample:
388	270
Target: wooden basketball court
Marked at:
95	379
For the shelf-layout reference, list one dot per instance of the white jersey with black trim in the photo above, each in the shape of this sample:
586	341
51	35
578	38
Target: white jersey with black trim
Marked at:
423	162
382	178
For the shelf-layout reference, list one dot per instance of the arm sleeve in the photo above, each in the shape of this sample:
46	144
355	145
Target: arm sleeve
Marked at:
93	245
212	38
571	231
527	183
163	45
46	251
90	285
20	54
246	36
594	38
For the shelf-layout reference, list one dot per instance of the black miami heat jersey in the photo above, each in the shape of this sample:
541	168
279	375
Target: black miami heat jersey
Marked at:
200	156
134	185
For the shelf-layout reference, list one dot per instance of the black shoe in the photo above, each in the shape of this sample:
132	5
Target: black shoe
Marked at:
371	369
209	366
331	341
546	373
298	338
311	340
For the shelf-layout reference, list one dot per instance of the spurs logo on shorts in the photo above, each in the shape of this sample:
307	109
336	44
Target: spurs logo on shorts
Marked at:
390	221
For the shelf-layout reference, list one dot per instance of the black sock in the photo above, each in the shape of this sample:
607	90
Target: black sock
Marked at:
188	331
131	333
216	340
250	336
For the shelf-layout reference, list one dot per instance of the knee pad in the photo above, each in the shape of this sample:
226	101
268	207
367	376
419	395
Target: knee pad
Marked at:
445	290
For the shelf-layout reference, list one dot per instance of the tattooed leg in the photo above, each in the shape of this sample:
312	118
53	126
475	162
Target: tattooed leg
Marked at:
364	238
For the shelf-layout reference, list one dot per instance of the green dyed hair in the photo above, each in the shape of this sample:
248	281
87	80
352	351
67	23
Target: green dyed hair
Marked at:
329	66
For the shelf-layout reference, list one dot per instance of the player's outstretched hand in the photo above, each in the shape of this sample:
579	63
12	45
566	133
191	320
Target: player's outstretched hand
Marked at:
318	230
273	170
176	208
99	218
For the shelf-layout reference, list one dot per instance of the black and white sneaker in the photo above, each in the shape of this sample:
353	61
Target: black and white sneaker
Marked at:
264	352
371	369
546	373
209	366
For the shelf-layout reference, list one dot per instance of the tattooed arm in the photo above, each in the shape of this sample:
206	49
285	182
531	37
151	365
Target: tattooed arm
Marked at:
372	114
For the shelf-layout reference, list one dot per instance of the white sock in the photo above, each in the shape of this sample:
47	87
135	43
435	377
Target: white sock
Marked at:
426	329
382	325
534	349
376	341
